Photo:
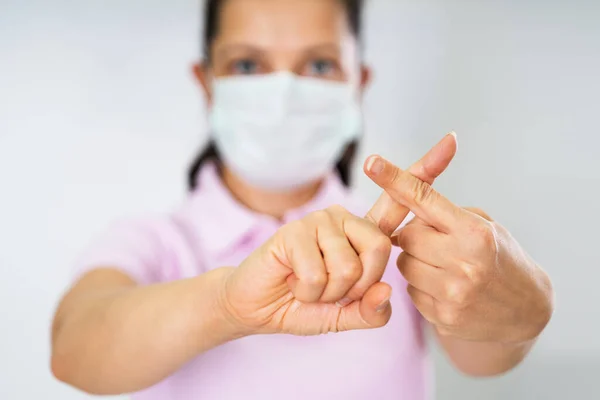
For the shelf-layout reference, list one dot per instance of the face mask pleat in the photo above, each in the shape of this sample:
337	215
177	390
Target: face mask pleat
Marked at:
279	131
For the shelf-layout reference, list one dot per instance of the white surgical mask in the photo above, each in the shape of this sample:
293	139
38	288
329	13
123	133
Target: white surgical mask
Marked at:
281	131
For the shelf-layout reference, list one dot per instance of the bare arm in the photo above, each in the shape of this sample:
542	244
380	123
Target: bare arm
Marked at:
111	336
484	359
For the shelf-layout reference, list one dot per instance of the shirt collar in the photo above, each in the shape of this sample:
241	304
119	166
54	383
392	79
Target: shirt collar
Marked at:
224	223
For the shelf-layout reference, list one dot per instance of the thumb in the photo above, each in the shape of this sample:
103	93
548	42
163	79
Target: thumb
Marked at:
372	311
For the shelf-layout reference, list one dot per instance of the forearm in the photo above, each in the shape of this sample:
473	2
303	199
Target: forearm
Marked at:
483	359
128	339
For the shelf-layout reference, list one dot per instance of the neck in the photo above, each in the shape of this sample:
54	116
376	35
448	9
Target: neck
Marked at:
275	204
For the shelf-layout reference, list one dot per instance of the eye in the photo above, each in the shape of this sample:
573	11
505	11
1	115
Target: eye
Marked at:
245	67
321	68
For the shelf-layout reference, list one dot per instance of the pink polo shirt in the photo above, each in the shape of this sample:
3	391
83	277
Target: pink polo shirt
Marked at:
210	230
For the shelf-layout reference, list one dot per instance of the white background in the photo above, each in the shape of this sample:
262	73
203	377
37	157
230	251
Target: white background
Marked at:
99	117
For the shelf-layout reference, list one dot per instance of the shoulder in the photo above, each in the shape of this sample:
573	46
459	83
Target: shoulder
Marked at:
148	248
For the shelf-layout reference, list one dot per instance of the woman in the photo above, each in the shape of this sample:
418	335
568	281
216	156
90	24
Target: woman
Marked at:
227	297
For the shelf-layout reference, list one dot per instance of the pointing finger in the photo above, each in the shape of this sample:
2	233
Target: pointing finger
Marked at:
374	250
416	195
387	213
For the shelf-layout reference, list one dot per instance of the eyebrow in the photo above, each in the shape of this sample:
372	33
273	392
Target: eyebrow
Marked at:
235	47
231	48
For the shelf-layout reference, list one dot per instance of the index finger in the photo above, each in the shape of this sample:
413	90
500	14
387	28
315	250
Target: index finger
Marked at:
387	213
417	196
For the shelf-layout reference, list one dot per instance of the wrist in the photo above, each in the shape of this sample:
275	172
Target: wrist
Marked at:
208	312
229	318
543	304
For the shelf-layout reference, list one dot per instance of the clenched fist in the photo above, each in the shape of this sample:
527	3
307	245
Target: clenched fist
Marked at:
292	283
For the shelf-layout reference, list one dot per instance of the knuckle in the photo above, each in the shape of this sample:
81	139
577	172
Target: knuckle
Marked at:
321	216
297	226
457	292
385	225
478	275
422	192
448	316
403	237
336	209
395	176
292	228
382	244
484	237
350	273
480	212
314	279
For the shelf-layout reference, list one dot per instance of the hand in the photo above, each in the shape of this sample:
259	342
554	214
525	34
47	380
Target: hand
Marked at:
467	275
292	283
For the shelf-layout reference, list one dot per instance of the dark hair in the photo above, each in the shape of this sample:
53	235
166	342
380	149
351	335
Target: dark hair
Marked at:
212	11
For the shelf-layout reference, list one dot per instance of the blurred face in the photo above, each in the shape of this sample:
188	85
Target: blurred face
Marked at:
310	38
283	85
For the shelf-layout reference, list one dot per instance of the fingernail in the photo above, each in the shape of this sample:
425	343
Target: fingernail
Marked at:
452	133
383	306
375	165
343	302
